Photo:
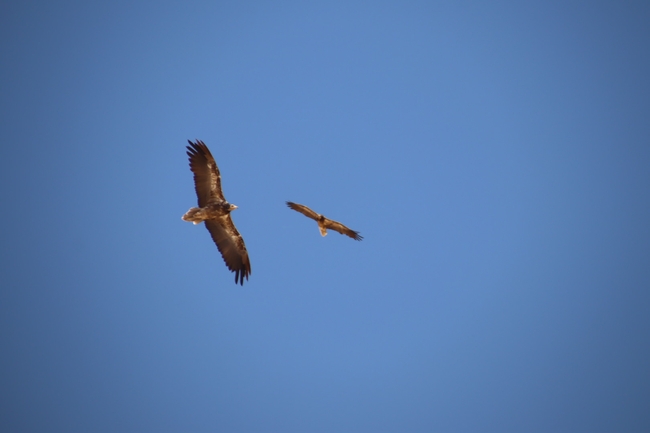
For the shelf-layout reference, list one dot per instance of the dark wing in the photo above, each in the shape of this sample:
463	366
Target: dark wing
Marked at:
337	226
303	210
207	180
231	246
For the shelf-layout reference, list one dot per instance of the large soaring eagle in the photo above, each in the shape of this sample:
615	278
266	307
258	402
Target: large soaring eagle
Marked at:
324	223
215	210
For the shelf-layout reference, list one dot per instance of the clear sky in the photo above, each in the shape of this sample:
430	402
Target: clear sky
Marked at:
494	155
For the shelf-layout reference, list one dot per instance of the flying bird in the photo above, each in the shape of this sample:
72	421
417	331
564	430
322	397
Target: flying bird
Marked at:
324	223
215	210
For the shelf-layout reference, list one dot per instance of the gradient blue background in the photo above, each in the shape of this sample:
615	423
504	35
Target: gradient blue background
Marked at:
494	155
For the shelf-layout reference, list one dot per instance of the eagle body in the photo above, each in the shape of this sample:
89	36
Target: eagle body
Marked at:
214	210
211	211
324	223
321	225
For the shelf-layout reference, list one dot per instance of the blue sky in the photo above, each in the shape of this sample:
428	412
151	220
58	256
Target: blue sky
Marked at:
494	155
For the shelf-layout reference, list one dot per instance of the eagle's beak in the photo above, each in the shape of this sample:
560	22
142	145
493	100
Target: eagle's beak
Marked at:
234	206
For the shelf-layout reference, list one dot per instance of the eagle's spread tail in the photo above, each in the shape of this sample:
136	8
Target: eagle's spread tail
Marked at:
194	215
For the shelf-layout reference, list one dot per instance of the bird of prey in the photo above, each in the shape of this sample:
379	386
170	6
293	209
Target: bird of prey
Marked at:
324	223
215	210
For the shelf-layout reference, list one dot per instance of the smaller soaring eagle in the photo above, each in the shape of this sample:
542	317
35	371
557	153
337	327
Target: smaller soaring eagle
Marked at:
324	223
215	211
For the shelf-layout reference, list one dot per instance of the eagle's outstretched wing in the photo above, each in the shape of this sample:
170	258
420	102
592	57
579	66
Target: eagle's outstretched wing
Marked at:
207	179
337	226
303	210
231	246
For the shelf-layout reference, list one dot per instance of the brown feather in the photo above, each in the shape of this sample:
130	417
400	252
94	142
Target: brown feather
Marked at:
303	210
337	226
207	179
231	246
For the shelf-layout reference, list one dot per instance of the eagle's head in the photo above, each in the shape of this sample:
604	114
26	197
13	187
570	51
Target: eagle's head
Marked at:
231	207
